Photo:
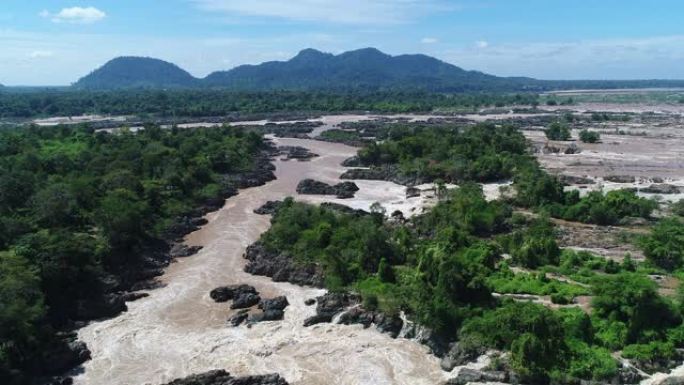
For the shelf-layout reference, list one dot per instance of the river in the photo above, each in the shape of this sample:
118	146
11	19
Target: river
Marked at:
178	330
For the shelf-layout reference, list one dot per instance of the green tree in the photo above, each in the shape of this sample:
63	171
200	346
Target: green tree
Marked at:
122	216
558	131
664	247
21	308
587	136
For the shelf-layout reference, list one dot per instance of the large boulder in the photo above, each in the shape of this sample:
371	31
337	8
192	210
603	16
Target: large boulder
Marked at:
239	317
460	354
268	208
467	376
180	250
390	324
267	315
226	293
331	304
245	300
277	303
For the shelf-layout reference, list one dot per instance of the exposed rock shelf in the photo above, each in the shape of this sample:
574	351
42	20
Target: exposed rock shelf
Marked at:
221	377
342	190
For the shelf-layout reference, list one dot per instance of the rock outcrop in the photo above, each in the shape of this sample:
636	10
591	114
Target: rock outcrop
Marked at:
281	267
342	190
620	178
268	208
459	354
345	309
662	188
467	376
389	173
231	292
296	152
222	377
181	250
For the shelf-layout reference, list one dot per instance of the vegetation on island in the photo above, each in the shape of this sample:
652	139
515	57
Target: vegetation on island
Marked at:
444	266
80	208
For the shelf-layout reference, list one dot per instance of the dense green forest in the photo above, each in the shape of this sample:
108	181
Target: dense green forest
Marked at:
442	267
203	103
81	212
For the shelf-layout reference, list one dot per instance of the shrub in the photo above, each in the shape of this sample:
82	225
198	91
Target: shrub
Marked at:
558	131
664	247
633	299
587	136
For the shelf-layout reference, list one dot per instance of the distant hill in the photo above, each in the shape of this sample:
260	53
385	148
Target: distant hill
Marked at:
137	72
363	69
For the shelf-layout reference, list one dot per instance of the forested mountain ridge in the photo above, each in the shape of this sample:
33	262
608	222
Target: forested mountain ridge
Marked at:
366	68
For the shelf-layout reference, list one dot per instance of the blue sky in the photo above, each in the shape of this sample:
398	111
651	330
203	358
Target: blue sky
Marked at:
54	42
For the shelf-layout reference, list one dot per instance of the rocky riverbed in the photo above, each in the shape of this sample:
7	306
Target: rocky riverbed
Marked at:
178	330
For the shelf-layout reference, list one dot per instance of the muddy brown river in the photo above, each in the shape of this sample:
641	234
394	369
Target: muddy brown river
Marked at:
178	330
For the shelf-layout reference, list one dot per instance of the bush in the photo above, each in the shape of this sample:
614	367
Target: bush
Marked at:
607	209
633	299
652	356
533	333
561	299
664	247
678	208
558	131
587	136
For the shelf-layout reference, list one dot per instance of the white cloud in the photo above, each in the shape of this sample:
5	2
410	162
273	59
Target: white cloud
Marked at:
638	58
75	15
482	44
38	54
429	40
332	11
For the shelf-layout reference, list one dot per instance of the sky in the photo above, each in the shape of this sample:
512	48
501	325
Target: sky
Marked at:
55	42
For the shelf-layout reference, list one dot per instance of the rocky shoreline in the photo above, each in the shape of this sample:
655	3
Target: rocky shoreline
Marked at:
390	173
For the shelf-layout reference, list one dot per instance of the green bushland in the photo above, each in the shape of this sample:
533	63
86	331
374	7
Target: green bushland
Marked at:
78	208
442	267
483	153
489	153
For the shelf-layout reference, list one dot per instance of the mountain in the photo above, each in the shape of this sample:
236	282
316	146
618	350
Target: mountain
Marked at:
137	72
363	69
366	68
